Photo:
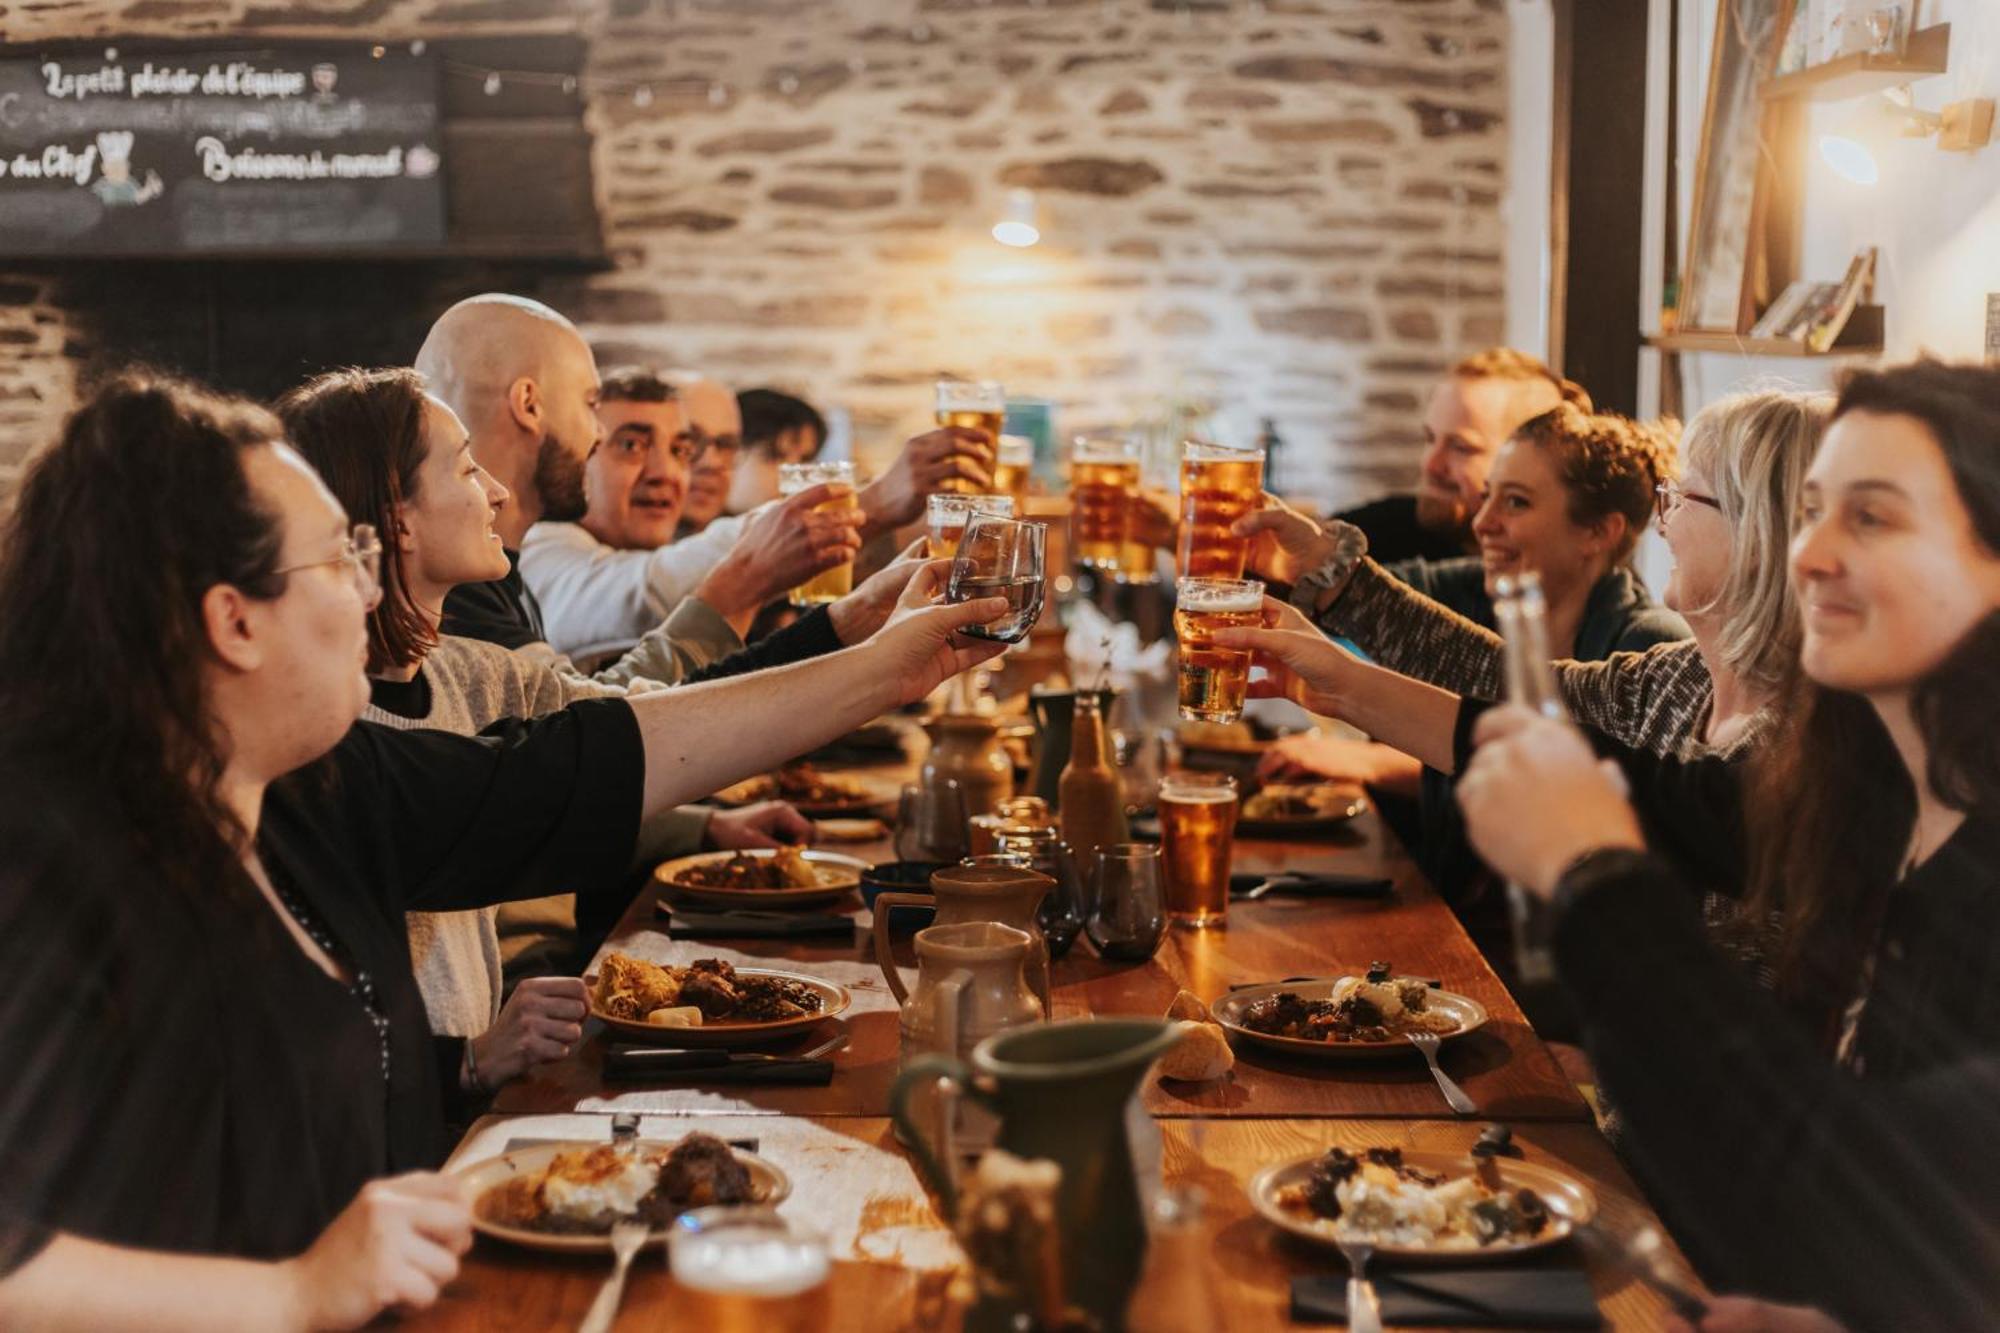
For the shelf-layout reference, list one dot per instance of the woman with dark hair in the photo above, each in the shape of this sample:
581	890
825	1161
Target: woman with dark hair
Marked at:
1844	1161
398	459
213	1035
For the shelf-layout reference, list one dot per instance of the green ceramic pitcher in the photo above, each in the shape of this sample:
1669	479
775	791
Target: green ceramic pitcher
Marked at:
1060	1091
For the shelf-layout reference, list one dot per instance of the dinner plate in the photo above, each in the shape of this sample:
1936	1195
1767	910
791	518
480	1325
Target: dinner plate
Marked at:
839	874
768	1184
1284	826
865	797
833	999
1570	1203
1229	1011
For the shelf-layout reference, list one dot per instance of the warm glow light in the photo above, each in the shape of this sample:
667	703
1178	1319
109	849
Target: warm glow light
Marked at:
1017	228
1849	158
1012	232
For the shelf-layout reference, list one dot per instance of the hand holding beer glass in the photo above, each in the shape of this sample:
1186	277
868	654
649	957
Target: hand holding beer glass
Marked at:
949	511
747	1269
1218	486
973	405
1014	459
1000	557
1104	491
1197	833
1213	680
829	585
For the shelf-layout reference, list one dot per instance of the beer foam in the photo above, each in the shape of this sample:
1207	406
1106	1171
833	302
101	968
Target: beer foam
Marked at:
1219	595
1196	795
1200	451
737	1261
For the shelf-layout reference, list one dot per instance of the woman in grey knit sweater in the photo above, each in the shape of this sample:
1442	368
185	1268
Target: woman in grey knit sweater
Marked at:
399	459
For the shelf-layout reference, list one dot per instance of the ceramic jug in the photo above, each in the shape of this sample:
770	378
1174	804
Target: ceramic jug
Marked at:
1062	1092
969	986
1008	895
967	749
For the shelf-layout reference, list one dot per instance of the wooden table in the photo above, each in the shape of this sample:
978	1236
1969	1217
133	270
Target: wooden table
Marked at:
1504	1067
895	1260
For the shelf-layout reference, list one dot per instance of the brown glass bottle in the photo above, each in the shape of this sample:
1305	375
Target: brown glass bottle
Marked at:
1091	806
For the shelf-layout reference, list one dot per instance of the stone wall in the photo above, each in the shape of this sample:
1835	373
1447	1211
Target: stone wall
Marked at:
1282	208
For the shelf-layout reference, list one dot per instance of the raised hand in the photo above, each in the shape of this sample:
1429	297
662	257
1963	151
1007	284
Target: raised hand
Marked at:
926	463
1285	545
1536	798
859	614
783	544
920	643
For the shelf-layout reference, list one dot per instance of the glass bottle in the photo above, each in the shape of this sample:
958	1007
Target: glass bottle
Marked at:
1066	907
1090	801
1530	681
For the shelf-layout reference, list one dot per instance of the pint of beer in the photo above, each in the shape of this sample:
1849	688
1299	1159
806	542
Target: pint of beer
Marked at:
1013	461
1197	829
829	585
1104	480
976	405
1218	486
1213	680
948	512
748	1270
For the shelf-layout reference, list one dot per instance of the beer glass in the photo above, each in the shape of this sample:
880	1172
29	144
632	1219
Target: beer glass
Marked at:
948	513
1213	680
829	585
977	405
1014	460
1000	557
1218	486
1104	478
745	1269
1197	831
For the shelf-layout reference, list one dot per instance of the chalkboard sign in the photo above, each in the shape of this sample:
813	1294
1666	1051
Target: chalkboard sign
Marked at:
173	152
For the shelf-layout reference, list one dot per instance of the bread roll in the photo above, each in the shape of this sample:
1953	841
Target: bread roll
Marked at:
680	1016
1202	1053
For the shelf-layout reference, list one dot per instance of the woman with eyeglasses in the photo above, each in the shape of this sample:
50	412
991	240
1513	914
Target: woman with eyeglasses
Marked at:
213	1036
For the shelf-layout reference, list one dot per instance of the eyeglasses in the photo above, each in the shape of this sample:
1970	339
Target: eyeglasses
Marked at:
1672	497
362	556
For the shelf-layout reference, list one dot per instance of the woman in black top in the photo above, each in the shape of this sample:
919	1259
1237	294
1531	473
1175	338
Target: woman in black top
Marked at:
1866	1182
212	1038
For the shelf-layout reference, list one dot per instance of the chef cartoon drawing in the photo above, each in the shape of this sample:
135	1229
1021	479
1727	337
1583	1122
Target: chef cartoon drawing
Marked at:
115	185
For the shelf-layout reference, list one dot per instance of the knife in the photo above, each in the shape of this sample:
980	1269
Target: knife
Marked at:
1641	1258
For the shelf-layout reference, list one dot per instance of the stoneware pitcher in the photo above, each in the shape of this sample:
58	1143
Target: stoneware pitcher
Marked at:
1061	1092
1008	895
966	748
969	986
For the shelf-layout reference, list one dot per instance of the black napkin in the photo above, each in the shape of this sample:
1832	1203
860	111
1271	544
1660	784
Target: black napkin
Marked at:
633	1065
1290	885
686	924
1463	1297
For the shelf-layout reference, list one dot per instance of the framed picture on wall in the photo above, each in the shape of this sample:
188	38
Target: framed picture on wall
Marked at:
1723	229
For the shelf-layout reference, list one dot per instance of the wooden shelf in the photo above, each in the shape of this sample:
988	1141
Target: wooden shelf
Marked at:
1862	336
1852	76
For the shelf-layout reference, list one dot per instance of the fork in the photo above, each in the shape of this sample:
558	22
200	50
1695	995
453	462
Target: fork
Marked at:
1364	1308
1454	1096
628	1235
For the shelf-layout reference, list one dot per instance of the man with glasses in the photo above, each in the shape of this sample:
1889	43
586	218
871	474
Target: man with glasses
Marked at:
717	424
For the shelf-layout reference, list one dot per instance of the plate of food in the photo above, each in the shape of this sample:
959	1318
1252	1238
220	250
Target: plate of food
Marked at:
1343	1017
808	789
1282	809
766	877
1423	1205
566	1197
709	1002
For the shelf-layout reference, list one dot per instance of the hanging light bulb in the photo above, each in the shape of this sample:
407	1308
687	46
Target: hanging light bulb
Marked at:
642	96
569	85
418	47
492	85
1016	226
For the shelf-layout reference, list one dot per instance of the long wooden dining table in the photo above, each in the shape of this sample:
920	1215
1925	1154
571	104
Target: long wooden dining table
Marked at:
895	1258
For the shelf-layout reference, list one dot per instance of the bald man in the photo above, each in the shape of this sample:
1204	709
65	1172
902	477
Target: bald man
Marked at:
1483	399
